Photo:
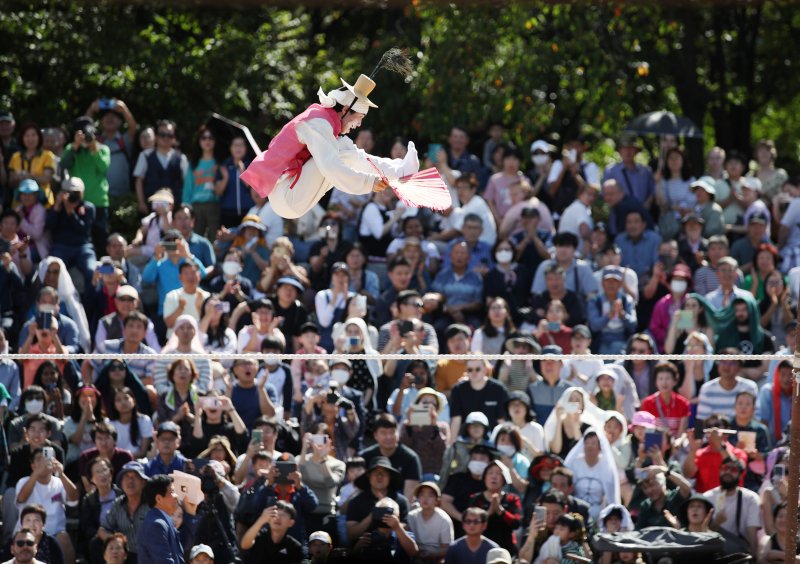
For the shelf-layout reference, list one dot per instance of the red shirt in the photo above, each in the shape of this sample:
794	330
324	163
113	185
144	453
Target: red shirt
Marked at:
668	414
708	462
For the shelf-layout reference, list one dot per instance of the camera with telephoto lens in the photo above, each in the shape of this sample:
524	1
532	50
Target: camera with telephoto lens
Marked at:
89	133
333	397
208	481
74	197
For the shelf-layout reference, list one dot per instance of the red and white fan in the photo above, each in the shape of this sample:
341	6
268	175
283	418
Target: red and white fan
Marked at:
425	189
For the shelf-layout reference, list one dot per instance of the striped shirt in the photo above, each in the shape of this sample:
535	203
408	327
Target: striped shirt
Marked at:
715	399
705	280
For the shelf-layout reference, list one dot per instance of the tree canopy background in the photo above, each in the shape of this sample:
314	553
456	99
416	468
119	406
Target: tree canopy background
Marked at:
541	69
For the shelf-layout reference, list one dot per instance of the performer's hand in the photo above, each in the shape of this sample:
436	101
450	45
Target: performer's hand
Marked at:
379	185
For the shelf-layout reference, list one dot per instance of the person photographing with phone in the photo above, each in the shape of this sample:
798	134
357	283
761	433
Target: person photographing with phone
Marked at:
327	408
322	473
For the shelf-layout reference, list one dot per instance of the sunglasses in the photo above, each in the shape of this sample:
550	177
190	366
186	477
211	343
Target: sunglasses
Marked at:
414	304
165	135
472	522
21	543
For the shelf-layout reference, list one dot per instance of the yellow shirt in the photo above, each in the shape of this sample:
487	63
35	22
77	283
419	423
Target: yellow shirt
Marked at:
36	166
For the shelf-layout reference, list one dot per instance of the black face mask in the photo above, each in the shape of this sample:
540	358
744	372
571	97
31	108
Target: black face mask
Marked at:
74	197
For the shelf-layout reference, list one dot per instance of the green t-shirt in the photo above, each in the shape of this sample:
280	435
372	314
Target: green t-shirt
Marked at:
649	516
92	169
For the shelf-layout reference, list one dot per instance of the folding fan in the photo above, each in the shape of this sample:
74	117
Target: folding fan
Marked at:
425	189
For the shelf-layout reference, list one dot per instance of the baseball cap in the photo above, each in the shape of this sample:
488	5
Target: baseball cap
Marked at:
477	417
28	186
199	549
498	556
542	145
693	217
432	485
5	115
132	466
252	220
552	349
582	330
706	183
73	184
612	272
340	267
753	184
758	217
127	292
321	536
335	361
291	281
168	427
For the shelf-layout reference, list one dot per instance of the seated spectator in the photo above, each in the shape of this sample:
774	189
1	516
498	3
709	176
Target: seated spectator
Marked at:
577	217
578	275
64	302
490	337
126	301
460	290
104	440
247	466
517	375
775	400
473	547
18	249
431	525
41	340
507	440
703	462
179	402
287	305
670	408
186	341
323	474
477	393
416	377
730	500
163	269
273	543
108	277
752	438
661	501
772	548
134	429
215	333
403	459
215	417
778	307
611	255
376	224
466	187
70	222
429	440
380	481
328	249
592	461
33	162
621	203
573	415
153	226
115	549
49	487
31	213
9	374
362	281
568	540
480	252
612	314
126	513
504	509
555	505
31	403
719	395
186	300
58	399
552	328
665	308
86	413
365	374
407	304
638	244
33	518
250	249
727	273
744	249
532	245
168	457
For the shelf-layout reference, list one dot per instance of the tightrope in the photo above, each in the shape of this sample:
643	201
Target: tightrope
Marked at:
400	356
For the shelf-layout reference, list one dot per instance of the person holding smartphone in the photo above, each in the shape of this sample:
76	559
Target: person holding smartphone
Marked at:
322	473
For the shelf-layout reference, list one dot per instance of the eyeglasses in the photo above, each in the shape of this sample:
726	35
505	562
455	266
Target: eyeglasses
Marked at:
498	308
21	543
414	304
166	135
472	522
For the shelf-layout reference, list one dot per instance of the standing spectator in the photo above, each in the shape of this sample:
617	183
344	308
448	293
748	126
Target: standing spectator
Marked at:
497	193
8	146
638	244
388	447
88	159
471	203
153	226
160	541
127	511
612	314
670	408
32	162
273	543
775	399
635	179
477	393
112	113
203	183
729	187
673	194
235	199
32	218
186	300
168	457
660	500
160	167
568	176
16	248
71	224
736	510
376	223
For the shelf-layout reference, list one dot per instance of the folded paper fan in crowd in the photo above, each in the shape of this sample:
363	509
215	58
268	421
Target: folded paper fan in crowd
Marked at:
425	189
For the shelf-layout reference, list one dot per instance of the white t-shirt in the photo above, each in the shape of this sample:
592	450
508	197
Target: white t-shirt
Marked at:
124	432
576	214
750	513
247	333
479	207
53	497
591	173
433	533
171	302
534	433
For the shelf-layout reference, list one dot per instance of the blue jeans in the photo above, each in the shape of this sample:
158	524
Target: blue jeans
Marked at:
82	257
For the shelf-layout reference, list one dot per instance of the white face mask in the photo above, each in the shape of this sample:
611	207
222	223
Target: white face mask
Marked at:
504	256
476	467
540	160
231	268
678	286
506	450
272	364
34	406
340	376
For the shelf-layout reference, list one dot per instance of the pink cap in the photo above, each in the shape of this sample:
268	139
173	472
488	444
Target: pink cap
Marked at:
644	419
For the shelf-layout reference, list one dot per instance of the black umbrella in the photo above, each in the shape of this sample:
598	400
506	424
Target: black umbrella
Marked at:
664	123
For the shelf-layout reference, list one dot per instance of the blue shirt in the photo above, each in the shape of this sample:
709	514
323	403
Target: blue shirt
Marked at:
466	289
638	182
202	248
544	397
766	409
479	255
164	273
157	466
611	330
68	332
579	278
641	255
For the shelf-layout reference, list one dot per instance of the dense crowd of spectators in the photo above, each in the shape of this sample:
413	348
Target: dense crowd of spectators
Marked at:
421	459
